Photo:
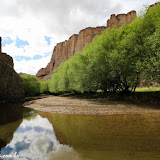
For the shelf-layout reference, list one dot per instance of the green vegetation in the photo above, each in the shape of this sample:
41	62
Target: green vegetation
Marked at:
148	89
31	85
44	87
116	61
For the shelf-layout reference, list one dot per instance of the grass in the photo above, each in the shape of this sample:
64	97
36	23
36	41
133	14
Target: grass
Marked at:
148	89
144	97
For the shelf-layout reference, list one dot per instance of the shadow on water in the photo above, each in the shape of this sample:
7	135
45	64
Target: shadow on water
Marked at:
11	116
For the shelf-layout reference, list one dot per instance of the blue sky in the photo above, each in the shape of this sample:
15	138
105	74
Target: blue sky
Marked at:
30	29
19	43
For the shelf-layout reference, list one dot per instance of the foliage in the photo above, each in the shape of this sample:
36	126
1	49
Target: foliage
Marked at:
31	85
148	89
115	61
44	87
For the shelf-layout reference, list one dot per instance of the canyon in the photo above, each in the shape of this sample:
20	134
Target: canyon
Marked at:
64	50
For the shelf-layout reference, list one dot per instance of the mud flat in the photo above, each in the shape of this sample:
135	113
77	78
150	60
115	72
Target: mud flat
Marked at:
68	105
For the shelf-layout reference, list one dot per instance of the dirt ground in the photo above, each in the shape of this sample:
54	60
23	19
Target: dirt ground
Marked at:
68	105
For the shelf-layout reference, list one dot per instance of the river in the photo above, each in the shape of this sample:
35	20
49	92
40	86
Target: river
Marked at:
27	134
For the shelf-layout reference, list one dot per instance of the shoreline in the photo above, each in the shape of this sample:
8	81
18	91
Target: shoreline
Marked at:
68	105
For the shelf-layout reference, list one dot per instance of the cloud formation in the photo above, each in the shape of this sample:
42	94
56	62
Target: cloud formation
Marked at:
32	21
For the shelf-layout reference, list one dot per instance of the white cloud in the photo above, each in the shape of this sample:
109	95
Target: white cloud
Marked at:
31	66
32	20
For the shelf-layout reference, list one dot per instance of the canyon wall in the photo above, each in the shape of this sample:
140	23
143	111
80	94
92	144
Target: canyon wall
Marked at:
64	50
10	82
8	59
121	19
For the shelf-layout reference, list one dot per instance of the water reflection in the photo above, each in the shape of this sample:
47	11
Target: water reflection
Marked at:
117	137
10	112
10	119
47	136
35	139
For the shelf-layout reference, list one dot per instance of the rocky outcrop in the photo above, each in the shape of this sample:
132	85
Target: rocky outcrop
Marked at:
121	19
21	74
64	50
10	82
8	59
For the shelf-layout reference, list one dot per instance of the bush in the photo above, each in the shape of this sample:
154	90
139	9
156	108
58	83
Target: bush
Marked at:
44	87
115	61
31	85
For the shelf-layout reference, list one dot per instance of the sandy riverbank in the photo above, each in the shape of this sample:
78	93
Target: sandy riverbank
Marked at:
68	105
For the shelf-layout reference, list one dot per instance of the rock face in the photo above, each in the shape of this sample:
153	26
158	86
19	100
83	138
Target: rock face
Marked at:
64	50
10	81
121	19
8	59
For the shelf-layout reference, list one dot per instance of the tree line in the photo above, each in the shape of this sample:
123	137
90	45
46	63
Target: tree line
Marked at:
116	61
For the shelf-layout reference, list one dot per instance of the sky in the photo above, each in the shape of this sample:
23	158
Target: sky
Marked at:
31	28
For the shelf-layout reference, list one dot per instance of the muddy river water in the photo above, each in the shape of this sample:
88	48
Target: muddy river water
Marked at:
27	134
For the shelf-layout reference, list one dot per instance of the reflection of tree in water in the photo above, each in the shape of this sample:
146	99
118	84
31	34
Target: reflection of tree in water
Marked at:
10	118
108	134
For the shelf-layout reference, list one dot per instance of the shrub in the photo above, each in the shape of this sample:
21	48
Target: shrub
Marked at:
44	87
31	85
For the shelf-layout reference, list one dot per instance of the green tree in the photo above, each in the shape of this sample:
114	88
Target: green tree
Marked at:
31	85
44	88
115	61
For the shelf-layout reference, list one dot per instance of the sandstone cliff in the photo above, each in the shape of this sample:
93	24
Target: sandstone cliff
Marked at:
121	19
66	49
10	81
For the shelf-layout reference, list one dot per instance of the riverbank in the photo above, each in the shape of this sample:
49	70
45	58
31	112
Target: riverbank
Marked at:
76	104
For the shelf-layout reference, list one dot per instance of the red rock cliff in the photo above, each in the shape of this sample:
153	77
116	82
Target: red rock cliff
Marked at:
66	49
121	19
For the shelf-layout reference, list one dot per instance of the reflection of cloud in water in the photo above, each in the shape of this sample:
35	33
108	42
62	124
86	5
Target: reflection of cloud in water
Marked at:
64	152
35	139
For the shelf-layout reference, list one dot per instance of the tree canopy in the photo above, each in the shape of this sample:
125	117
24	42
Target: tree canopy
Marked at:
116	61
